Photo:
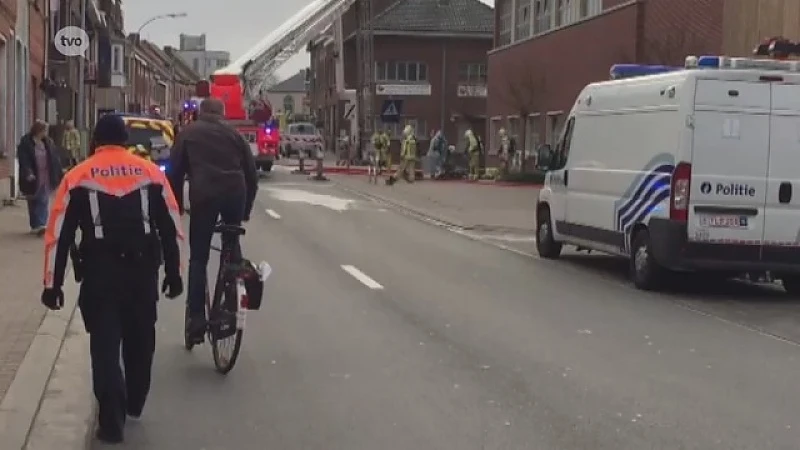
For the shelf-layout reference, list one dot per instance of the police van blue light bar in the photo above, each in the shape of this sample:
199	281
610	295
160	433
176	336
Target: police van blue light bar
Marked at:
724	62
622	71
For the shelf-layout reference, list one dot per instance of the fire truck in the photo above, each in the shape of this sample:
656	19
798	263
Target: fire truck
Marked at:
254	123
245	80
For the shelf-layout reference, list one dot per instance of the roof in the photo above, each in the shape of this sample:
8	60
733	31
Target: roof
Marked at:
437	16
295	83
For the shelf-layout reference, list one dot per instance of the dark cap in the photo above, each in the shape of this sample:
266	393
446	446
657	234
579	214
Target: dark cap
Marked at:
110	130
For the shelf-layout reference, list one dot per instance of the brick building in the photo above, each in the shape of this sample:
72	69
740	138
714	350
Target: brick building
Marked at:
746	22
22	62
160	78
430	54
546	51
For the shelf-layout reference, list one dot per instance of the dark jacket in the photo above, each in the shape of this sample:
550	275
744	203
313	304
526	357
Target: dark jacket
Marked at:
26	153
217	160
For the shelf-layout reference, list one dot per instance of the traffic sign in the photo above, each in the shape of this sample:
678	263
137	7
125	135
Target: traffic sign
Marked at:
348	114
392	110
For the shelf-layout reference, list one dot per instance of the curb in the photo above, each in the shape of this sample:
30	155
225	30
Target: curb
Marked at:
39	384
466	231
448	223
67	413
445	223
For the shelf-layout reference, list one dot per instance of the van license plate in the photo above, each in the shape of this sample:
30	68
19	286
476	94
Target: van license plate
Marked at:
723	221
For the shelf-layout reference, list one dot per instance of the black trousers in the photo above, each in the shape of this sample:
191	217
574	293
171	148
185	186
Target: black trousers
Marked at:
118	301
201	231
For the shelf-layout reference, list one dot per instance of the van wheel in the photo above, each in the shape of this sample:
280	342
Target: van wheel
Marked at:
646	273
791	284
546	245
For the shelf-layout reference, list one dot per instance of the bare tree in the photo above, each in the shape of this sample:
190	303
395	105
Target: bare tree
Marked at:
522	93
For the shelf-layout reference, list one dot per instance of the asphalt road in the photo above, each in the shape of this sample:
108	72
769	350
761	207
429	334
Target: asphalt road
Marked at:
432	340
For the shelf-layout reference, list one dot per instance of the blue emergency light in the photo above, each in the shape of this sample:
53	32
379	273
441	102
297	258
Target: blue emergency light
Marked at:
621	71
709	62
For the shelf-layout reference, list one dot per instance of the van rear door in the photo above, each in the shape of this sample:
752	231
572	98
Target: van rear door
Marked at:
782	212
729	166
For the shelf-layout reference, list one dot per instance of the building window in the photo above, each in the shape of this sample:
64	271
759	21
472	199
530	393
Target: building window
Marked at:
408	72
196	64
523	19
565	12
555	124
542	14
472	73
221	63
395	129
288	104
504	33
532	136
494	133
590	8
117	59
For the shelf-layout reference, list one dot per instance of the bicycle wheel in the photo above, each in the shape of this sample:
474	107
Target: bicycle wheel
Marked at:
225	336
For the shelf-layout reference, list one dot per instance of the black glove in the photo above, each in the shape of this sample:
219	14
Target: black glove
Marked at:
172	286
53	298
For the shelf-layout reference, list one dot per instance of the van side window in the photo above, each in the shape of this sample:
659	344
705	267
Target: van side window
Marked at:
562	149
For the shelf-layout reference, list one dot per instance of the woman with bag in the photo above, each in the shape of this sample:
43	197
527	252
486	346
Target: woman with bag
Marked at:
40	172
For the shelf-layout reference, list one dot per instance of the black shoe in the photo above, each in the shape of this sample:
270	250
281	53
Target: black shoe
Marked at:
196	329
109	437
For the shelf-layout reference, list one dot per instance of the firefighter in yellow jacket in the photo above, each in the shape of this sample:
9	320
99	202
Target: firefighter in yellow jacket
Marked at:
408	157
474	153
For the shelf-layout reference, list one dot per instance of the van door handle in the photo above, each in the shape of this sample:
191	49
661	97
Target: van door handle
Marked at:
566	177
785	192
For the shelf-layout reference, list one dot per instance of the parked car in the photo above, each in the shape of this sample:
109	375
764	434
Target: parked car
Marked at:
150	135
301	137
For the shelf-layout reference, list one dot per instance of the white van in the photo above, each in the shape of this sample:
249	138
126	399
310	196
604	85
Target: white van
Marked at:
686	170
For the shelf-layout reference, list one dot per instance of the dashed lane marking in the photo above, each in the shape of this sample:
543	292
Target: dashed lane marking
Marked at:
273	214
362	277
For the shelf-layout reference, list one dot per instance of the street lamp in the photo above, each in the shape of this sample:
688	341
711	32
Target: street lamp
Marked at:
147	22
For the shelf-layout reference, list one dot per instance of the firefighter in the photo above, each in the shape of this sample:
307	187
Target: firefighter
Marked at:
408	157
122	205
380	144
474	152
385	153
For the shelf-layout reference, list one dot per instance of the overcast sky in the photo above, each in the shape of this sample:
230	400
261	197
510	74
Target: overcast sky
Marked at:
230	25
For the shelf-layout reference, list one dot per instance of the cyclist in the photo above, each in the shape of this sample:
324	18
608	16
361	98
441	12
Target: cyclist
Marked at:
222	183
122	205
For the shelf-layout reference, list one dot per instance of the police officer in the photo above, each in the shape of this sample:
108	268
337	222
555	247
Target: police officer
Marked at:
127	215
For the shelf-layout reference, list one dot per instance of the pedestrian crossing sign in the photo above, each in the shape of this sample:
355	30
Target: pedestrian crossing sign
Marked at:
391	111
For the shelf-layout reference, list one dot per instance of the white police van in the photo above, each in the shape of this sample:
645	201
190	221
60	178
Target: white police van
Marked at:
682	169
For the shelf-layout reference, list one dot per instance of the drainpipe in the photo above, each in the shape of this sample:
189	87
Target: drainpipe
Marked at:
442	114
80	121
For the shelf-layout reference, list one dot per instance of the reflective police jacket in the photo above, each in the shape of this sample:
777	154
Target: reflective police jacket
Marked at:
123	206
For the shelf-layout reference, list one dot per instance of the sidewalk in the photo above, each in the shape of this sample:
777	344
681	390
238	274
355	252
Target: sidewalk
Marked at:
21	314
46	400
464	205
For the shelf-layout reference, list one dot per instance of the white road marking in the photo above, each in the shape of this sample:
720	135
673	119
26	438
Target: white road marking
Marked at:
273	214
361	276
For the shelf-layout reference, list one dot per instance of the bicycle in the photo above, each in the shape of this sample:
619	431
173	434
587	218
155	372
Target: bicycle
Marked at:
227	308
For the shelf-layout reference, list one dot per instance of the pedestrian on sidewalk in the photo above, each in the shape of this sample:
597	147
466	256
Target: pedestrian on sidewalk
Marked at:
129	218
408	157
39	173
72	143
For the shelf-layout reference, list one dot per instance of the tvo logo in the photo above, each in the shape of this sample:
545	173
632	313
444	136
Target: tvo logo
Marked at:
71	41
